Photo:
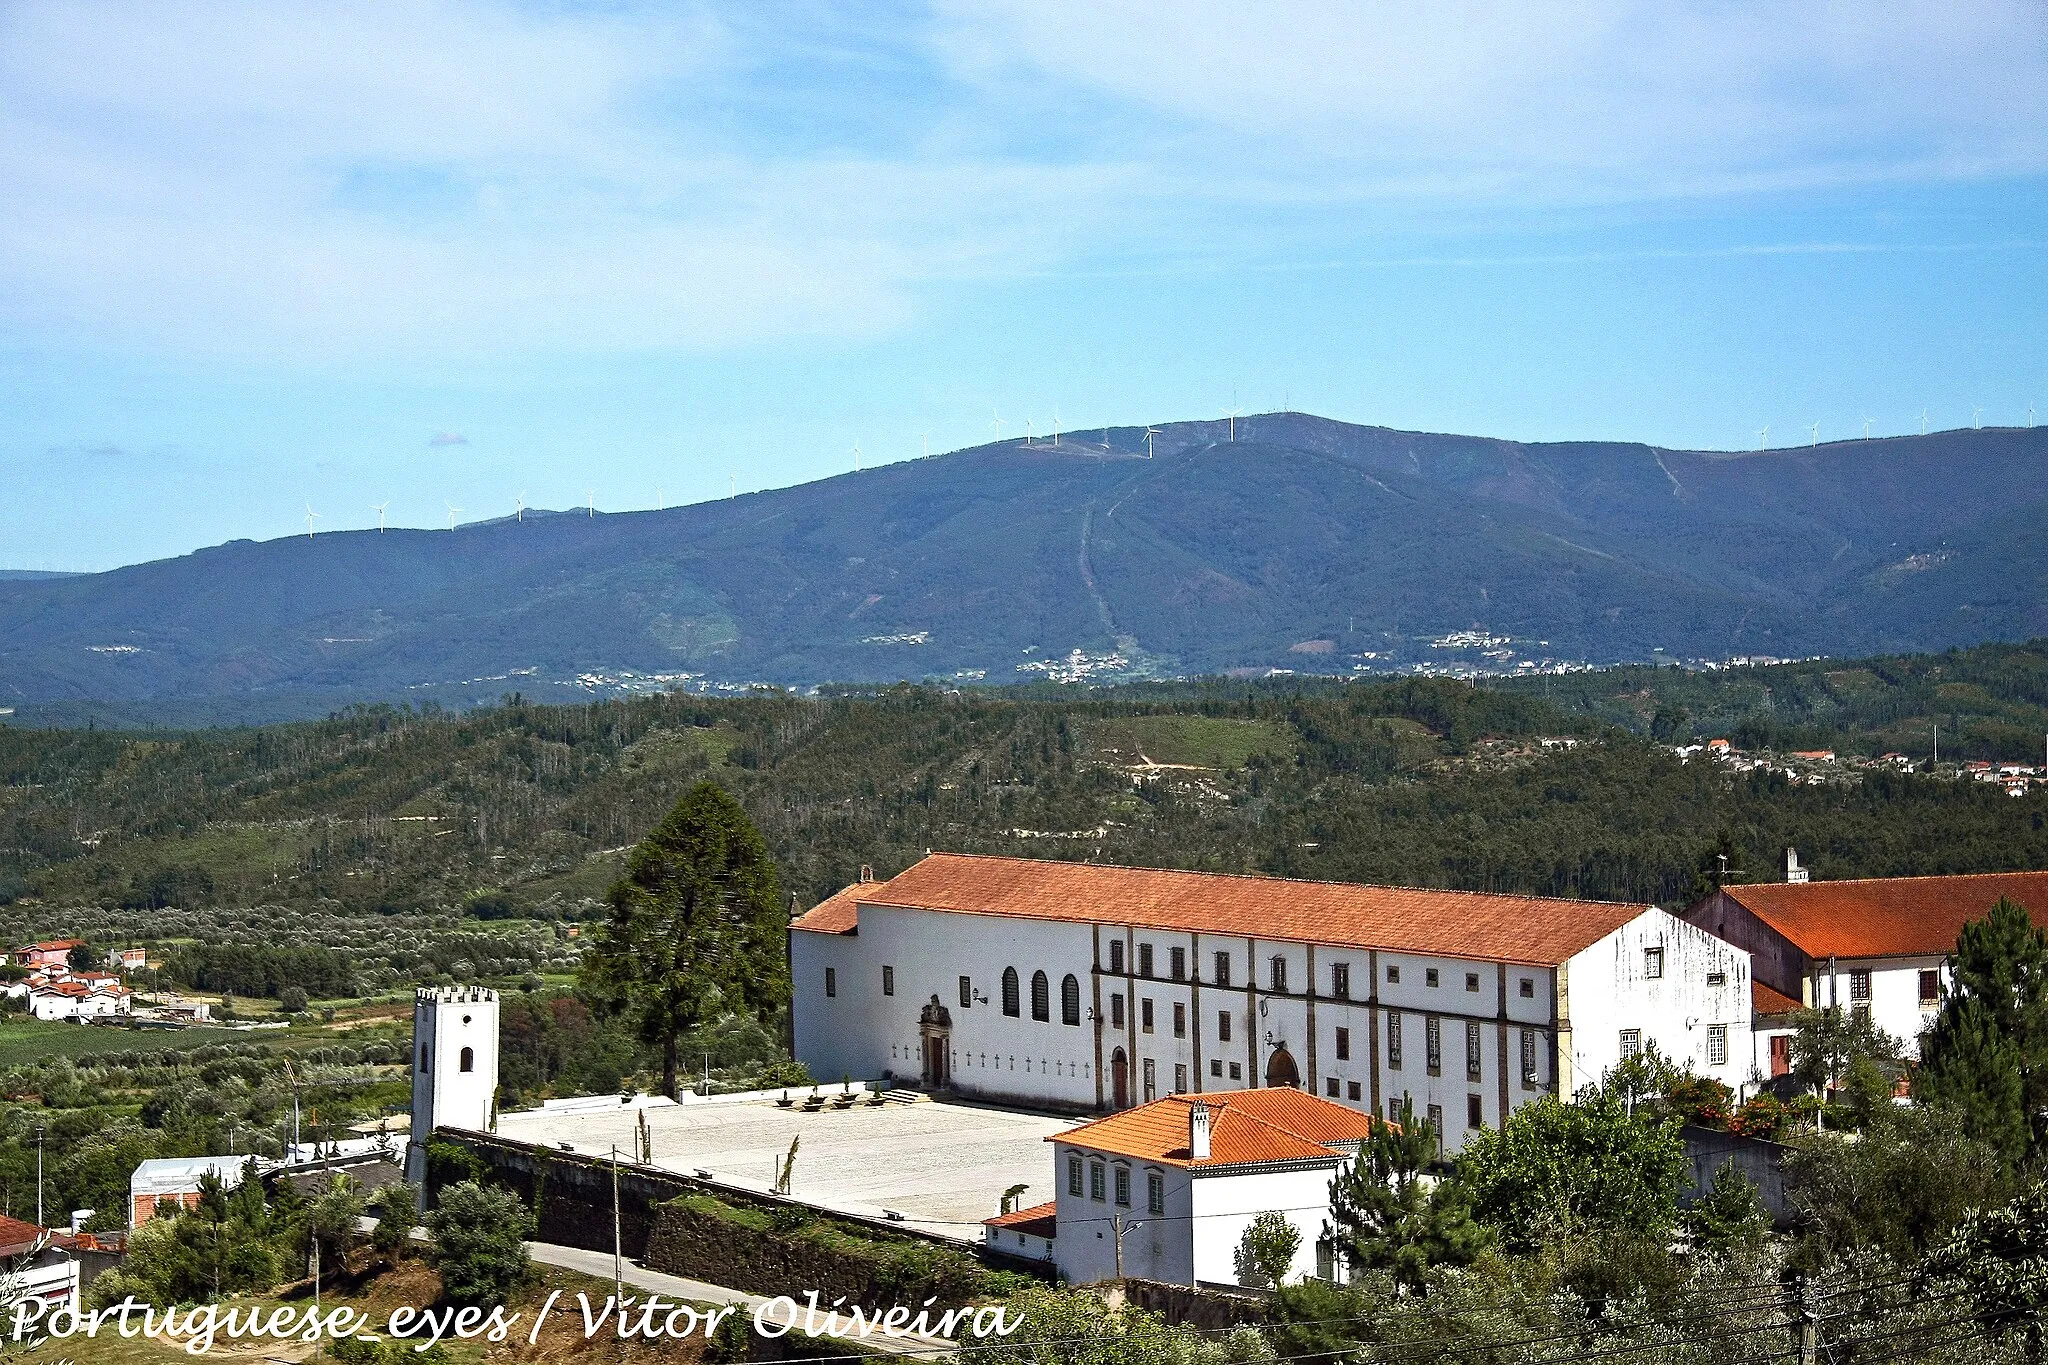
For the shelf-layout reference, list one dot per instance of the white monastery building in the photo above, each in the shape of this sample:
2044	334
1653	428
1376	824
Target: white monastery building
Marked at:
1165	1191
454	1066
1093	989
1880	946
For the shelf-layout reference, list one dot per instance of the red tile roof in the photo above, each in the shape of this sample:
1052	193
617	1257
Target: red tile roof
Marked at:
838	913
1886	917
1246	1127
1766	1002
17	1236
1534	930
1036	1221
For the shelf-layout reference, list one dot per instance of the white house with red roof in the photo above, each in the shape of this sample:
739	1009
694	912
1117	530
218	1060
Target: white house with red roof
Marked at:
1087	988
1165	1191
1878	945
55	993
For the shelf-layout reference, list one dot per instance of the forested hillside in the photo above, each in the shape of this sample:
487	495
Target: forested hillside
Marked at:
519	811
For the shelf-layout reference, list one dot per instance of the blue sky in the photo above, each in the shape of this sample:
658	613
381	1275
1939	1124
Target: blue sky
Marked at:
255	257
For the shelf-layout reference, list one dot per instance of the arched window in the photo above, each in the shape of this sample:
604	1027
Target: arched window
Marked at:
1010	992
1041	998
1070	1001
468	1062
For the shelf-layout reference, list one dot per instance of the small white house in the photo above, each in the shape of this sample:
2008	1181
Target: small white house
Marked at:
1165	1191
1878	946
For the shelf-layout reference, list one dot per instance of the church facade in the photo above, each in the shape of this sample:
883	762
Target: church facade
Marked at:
1094	989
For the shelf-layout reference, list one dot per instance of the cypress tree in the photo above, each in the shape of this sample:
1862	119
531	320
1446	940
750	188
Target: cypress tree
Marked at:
1988	1052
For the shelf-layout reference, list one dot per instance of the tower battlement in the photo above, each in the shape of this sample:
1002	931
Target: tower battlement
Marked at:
453	995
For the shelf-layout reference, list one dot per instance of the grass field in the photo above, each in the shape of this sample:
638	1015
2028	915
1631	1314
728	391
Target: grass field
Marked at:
24	1040
1197	741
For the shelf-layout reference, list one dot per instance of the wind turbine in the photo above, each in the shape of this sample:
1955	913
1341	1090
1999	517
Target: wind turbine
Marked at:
1150	432
2030	417
1055	427
311	517
519	508
1923	421
380	516
1763	438
452	510
856	457
1027	429
732	487
1816	433
1977	417
590	501
926	437
1233	414
1866	426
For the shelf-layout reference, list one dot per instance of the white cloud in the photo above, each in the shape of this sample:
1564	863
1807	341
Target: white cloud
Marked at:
369	184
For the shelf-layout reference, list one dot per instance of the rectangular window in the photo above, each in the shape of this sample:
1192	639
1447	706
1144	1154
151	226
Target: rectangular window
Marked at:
1343	1044
1717	978
1151	1080
1236	1071
1180	1020
1528	1059
1394	975
1653	963
1216	1066
1177	963
1475	1112
1429	978
1223	1026
1180	1078
1123	1187
1436	1121
1859	985
1074	1176
1471	981
1145	1014
888	980
1098	1181
1717	1045
1930	987
1433	1044
1330	1086
831	982
1223	969
1528	988
1116	1010
1116	957
1394	1041
1472	1059
1354	1091
1155	1193
1280	975
1631	1042
1340	980
966	992
1144	959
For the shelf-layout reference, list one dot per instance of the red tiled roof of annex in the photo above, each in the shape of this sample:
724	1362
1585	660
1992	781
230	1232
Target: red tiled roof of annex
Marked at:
1246	1127
1534	930
1766	1002
1886	917
1036	1221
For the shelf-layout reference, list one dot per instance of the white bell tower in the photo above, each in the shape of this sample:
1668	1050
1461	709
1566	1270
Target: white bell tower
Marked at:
454	1066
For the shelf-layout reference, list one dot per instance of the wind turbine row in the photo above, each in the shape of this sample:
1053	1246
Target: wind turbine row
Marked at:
1763	436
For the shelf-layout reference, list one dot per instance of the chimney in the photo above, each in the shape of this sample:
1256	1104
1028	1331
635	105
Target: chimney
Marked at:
867	874
1198	1132
1793	871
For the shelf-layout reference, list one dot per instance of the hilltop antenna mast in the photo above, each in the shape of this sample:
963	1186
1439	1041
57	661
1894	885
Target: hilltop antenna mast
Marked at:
311	517
380	516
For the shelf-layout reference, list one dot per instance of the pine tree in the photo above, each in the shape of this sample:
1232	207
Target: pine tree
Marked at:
1988	1052
697	929
1384	1218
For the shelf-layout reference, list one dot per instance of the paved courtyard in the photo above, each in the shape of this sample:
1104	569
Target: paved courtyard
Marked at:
943	1165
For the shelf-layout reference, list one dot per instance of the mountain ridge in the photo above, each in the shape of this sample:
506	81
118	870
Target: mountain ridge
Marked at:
1305	544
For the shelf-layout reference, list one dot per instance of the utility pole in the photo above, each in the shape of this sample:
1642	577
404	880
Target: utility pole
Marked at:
1806	1329
618	1246
39	1175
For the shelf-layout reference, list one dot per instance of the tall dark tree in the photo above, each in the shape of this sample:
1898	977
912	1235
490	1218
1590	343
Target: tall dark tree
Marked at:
696	930
1988	1052
1384	1217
